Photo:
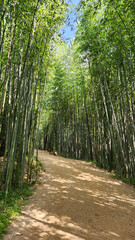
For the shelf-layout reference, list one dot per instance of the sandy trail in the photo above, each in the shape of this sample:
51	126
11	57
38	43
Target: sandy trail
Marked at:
75	202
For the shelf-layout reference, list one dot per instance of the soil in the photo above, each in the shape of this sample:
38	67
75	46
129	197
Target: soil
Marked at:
76	201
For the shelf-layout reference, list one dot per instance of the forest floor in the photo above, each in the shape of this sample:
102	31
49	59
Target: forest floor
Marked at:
76	201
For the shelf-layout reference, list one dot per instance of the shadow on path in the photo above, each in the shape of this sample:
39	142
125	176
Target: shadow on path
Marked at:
76	201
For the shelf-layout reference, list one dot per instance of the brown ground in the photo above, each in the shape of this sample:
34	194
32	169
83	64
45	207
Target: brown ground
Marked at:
76	201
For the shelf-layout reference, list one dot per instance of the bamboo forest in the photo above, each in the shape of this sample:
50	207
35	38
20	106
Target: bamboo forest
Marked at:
74	99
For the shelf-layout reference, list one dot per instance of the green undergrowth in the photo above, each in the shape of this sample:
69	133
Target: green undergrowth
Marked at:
124	179
41	166
15	201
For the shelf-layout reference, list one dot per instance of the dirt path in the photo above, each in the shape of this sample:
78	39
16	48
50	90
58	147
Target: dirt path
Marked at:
76	202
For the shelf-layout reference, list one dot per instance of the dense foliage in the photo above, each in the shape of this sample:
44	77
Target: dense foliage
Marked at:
27	30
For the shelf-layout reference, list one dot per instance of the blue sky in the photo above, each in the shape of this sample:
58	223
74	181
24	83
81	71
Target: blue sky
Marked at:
69	29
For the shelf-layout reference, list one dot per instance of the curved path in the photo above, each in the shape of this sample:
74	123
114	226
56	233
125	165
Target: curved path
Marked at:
76	201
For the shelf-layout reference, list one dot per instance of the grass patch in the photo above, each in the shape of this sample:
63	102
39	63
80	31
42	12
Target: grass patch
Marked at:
37	171
41	166
15	201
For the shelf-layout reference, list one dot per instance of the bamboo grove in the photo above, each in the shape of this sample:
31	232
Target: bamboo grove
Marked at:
27	30
89	107
78	99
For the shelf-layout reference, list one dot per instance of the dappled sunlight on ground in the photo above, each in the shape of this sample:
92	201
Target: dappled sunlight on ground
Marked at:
91	177
76	202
